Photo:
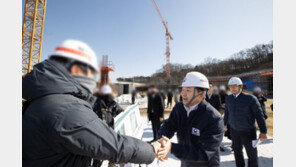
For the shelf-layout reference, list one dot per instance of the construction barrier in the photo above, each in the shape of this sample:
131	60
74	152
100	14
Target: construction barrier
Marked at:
129	122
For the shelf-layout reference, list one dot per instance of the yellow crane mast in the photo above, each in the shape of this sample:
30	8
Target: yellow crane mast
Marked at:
32	32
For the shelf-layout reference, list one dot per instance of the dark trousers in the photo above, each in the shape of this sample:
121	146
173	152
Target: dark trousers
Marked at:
169	103
240	139
97	163
155	126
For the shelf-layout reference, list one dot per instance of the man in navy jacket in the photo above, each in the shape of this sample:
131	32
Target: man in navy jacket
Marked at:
242	110
198	124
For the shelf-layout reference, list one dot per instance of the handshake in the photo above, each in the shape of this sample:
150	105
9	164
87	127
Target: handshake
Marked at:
162	148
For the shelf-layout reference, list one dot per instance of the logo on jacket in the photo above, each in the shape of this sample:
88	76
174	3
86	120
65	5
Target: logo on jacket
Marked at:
195	131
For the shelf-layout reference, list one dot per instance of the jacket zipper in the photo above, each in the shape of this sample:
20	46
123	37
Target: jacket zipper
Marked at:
235	119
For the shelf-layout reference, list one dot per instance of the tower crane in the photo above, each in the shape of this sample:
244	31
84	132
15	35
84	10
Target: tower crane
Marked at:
168	38
32	32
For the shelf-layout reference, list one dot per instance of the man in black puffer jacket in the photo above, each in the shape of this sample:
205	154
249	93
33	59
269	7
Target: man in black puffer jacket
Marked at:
59	126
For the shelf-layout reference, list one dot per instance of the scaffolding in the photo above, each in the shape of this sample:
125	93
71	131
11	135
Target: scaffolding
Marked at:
106	67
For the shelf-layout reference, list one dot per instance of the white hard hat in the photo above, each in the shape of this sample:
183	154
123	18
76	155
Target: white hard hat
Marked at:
222	87
195	79
257	89
78	51
235	81
215	87
106	89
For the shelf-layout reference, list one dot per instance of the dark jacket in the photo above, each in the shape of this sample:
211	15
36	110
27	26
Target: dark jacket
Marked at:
162	97
106	108
199	135
242	111
215	101
262	101
60	128
155	106
134	93
222	96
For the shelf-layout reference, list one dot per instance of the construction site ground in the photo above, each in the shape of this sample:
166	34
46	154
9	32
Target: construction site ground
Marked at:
265	149
265	152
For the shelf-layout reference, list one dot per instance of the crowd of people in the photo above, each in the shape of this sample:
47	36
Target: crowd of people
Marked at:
239	110
67	122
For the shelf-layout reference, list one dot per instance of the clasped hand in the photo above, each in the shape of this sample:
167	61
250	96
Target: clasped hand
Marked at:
162	148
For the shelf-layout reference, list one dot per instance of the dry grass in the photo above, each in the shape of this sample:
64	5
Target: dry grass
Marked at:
269	121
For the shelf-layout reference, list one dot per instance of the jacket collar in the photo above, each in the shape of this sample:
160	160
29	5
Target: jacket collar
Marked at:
50	77
201	107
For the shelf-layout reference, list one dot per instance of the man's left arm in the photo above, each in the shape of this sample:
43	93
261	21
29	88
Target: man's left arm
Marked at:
170	126
264	98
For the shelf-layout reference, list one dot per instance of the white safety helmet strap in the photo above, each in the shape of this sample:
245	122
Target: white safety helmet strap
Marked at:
196	80
236	81
194	96
240	87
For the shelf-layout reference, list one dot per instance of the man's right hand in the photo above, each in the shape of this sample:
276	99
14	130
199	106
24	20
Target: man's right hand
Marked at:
262	136
165	149
157	146
225	127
